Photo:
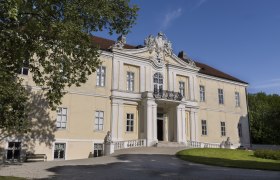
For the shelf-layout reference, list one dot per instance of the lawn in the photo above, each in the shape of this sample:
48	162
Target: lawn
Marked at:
228	158
10	178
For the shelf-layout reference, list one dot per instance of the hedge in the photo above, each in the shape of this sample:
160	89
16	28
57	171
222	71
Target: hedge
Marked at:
268	154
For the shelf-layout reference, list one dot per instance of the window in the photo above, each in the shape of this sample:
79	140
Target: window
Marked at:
203	127
223	129
101	71
13	152
182	88
99	120
130	81
98	150
59	151
221	96
237	99
61	119
202	93
239	129
158	83
24	70
129	122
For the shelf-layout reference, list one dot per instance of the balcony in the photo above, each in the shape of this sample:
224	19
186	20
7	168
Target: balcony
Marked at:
170	95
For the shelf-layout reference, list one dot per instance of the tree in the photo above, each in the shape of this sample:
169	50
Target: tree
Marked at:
264	118
55	38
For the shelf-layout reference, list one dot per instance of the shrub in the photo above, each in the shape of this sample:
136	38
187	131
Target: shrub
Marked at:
268	154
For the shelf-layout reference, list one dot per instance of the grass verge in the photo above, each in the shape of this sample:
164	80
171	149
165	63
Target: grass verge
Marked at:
228	158
10	178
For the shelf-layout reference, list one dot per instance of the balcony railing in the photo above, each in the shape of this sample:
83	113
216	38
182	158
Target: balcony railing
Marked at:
162	94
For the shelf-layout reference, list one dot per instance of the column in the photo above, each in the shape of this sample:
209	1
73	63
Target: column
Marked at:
150	120
117	120
121	77
115	78
181	124
194	125
165	127
142	79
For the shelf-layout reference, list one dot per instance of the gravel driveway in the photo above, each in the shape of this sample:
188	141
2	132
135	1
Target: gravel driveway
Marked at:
138	163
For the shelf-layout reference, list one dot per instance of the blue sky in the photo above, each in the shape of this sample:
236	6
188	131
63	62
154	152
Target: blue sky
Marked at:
239	37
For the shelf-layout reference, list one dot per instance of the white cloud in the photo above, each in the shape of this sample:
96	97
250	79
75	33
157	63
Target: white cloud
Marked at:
170	16
272	83
198	4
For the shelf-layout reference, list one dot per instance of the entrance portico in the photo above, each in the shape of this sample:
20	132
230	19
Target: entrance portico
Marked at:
164	120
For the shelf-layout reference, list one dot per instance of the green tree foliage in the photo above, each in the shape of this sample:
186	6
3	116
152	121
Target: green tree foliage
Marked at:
55	37
264	118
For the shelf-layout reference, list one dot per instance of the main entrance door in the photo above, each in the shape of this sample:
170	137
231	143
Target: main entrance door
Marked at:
160	127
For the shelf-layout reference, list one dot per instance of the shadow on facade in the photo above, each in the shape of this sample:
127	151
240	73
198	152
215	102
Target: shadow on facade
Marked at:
243	135
40	129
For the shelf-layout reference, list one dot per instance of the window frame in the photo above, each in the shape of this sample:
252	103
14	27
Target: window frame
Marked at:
204	131
239	127
61	115
223	128
97	151
182	88
158	82
101	76
64	151
221	96
202	93
129	122
130	81
99	118
237	99
24	70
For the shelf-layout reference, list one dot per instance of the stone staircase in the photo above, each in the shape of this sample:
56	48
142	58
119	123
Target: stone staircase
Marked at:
170	144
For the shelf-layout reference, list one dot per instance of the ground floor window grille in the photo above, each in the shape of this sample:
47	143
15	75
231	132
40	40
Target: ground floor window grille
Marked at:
13	152
98	150
59	151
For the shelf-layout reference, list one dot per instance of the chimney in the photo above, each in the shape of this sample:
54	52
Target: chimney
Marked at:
182	55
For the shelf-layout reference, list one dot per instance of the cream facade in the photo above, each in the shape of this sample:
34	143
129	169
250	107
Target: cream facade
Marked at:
145	93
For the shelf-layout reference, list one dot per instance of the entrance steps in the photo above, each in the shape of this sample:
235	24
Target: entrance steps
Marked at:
170	144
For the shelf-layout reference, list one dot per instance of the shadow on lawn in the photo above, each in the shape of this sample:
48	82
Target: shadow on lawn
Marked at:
151	166
232	163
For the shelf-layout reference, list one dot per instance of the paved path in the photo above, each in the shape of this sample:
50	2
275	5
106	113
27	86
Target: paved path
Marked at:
140	163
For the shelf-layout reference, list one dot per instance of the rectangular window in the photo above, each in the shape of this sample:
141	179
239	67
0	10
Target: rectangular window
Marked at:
223	129
99	120
204	127
13	151
25	68
182	88
129	122
239	129
101	74
202	93
221	96
130	81
61	119
237	99
98	150
59	151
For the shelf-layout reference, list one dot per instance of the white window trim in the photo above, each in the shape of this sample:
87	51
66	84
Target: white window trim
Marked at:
221	129
237	101
206	124
204	94
99	130
222	95
66	150
130	125
182	88
98	83
129	80
67	119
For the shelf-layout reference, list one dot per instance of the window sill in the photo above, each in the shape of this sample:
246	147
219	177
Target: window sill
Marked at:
99	131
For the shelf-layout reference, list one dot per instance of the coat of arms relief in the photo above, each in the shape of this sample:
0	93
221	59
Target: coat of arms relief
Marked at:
160	45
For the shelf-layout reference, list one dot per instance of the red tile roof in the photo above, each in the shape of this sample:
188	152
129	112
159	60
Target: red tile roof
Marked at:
105	44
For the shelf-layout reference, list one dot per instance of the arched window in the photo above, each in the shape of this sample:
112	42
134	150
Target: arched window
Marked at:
158	83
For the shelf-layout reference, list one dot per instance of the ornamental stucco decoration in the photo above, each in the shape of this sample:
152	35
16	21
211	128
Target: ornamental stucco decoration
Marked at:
121	41
160	45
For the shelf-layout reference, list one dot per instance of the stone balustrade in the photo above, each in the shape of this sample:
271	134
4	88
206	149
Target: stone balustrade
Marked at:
196	144
130	144
170	95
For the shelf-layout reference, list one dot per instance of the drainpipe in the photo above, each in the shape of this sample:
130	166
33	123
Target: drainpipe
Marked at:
248	114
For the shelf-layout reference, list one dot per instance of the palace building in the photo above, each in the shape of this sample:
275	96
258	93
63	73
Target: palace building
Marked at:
145	96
